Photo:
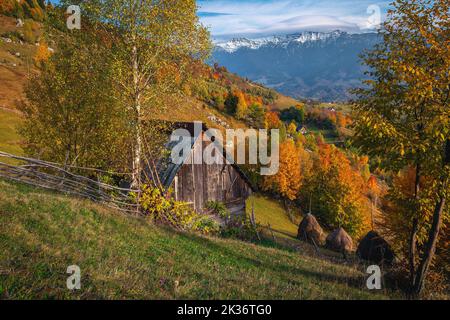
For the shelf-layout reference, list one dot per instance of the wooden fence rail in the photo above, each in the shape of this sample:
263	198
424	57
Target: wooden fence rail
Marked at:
56	177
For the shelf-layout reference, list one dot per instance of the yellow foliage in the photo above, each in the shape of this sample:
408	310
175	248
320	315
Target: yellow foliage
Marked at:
241	108
292	128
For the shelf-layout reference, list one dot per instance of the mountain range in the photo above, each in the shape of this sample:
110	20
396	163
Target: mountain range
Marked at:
307	65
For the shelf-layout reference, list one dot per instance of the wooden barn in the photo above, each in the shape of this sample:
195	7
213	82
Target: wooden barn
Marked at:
199	183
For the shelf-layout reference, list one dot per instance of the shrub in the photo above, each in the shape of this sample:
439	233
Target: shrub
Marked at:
240	227
236	226
294	113
164	209
28	34
231	103
200	91
219	102
256	116
206	225
218	208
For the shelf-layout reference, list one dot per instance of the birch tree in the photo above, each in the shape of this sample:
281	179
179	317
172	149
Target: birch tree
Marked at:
154	43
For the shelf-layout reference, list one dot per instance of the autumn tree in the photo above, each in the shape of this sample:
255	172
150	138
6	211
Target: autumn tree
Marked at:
154	44
403	114
294	113
272	120
71	117
256	116
231	103
399	204
219	101
42	54
241	106
23	9
336	192
6	6
292	129
342	120
287	181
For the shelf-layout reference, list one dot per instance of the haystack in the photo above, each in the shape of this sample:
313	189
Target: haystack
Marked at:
310	231
375	249
339	241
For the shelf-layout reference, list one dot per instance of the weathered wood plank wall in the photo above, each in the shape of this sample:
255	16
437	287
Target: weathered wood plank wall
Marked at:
200	183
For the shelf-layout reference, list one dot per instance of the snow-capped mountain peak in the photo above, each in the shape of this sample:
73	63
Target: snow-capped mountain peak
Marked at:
237	43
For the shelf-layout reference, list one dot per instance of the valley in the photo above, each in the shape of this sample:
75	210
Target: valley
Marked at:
308	65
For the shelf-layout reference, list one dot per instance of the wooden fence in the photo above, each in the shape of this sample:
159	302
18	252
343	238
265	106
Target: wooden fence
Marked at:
56	177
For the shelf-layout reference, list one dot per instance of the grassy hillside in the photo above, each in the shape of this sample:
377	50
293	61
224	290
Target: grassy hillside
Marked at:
9	138
284	102
270	212
41	234
17	49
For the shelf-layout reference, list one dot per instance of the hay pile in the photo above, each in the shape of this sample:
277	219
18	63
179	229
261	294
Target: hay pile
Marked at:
339	241
375	249
310	231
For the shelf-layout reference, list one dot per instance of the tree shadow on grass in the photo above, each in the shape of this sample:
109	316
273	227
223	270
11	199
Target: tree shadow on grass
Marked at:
285	271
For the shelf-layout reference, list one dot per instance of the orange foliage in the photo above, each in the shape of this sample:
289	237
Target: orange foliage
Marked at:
168	71
254	100
373	184
216	75
399	207
272	120
342	120
42	54
198	69
338	191
332	157
242	106
6	5
288	180
300	106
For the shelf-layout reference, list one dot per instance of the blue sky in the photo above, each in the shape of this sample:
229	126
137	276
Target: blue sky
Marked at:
234	18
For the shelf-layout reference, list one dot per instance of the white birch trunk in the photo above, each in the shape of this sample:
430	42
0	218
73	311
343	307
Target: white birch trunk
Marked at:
136	183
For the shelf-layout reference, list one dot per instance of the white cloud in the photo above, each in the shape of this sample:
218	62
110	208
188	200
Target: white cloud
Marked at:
259	17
